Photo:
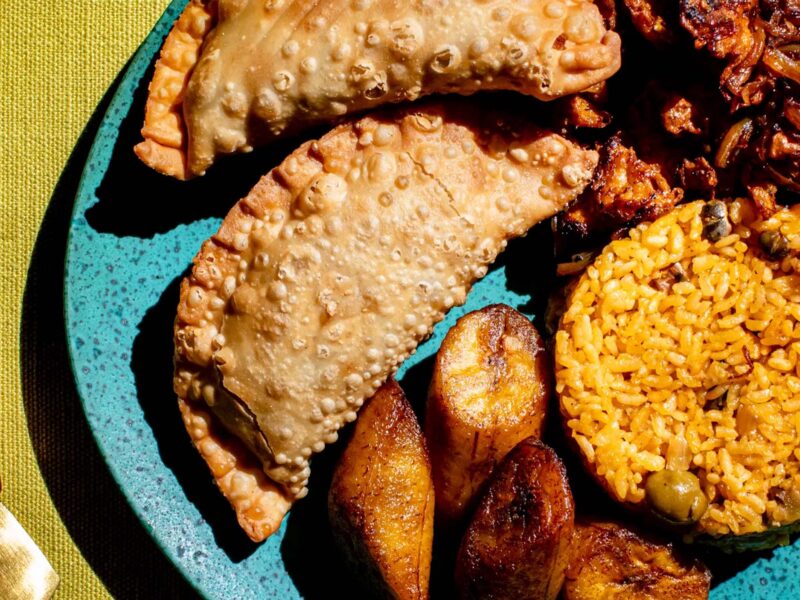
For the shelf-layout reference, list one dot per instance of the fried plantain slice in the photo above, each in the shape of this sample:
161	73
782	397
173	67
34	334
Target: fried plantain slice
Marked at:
609	560
381	499
490	387
517	545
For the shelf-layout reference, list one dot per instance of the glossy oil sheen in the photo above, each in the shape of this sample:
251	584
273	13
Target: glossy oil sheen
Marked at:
119	287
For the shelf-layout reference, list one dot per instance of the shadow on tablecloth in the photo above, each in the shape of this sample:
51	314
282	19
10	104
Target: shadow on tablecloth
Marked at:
88	500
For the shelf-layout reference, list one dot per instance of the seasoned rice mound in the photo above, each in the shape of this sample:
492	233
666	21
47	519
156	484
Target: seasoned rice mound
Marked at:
675	352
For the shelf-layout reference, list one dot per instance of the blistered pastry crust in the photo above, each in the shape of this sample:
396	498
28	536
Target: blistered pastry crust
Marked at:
324	278
260	504
164	145
271	67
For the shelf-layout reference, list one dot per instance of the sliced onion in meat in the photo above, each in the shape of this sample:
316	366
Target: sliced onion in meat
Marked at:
736	136
783	65
790	49
744	68
578	262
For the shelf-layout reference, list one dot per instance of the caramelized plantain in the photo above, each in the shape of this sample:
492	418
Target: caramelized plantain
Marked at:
490	386
517	545
381	499
609	560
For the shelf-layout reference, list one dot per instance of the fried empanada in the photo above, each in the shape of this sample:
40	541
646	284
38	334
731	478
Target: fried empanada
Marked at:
259	502
327	275
271	67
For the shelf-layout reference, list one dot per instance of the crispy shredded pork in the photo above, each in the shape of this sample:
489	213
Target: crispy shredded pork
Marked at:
707	105
753	48
652	18
581	111
625	190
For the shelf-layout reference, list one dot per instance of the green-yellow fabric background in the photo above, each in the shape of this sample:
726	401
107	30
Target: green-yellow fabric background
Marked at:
56	61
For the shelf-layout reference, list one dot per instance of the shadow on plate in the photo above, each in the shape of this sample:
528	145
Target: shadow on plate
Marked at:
134	200
89	502
309	554
415	384
151	364
531	269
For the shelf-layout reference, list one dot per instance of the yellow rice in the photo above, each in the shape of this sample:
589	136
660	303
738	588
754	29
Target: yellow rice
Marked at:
642	373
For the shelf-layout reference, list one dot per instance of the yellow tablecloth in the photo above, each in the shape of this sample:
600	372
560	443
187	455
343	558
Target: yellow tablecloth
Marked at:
57	59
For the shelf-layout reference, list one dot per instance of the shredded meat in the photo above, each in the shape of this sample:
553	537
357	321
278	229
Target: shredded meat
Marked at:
748	36
763	194
579	111
652	19
681	115
756	44
665	133
698	175
625	190
751	136
726	28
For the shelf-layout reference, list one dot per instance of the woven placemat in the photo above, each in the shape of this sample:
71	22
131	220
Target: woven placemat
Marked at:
58	64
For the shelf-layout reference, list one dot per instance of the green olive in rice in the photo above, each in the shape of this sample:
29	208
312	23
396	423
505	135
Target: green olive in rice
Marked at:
699	374
676	496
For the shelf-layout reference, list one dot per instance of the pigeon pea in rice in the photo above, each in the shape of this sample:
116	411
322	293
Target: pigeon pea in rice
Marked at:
715	220
692	379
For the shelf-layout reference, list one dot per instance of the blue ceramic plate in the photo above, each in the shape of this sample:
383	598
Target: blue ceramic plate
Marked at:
133	235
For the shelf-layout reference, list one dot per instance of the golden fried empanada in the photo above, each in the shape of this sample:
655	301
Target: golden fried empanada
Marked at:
269	67
324	278
259	502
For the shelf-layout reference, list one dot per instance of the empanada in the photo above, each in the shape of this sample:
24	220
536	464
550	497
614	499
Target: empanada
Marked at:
327	275
235	74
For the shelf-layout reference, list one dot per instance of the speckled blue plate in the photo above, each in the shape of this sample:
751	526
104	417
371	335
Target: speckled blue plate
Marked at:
133	235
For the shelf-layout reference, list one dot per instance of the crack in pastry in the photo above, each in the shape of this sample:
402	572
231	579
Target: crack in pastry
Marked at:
271	68
326	276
